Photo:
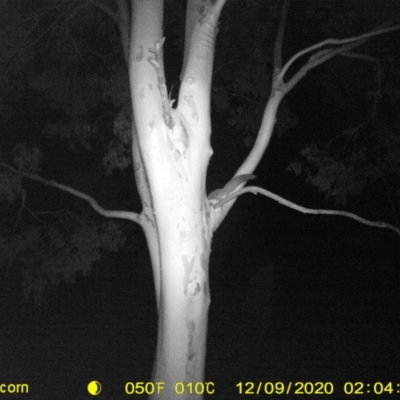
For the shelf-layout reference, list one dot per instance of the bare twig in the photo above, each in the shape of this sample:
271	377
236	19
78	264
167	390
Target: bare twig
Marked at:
294	206
20	210
279	36
335	42
128	215
315	60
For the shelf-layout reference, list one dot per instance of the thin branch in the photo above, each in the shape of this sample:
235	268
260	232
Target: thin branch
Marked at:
20	211
279	37
107	10
128	215
334	42
287	203
315	60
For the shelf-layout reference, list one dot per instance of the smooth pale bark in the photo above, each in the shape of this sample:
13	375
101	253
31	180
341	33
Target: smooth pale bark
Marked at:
175	150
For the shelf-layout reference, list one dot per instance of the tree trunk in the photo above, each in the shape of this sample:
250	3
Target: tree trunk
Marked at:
175	150
185	297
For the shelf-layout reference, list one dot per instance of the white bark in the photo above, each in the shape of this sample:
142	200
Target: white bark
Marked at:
175	150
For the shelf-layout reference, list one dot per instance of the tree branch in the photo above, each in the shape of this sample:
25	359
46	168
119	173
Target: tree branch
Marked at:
333	42
112	14
19	211
287	203
315	60
128	215
280	89
279	37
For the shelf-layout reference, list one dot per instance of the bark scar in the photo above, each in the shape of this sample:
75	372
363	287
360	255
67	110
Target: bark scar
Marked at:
157	62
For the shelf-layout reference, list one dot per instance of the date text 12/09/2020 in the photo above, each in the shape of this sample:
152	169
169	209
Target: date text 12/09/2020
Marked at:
318	388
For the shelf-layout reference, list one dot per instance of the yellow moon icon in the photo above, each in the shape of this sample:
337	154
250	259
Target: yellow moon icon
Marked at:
94	388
